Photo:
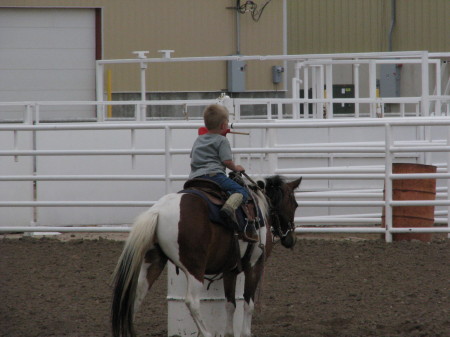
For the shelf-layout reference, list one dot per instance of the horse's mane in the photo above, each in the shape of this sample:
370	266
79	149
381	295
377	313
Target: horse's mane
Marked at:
271	195
262	202
273	189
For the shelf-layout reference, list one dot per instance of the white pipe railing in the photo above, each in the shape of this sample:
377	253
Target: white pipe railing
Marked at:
33	110
321	76
389	149
321	69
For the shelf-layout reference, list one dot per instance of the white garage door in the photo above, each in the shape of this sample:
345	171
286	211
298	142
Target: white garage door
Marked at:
47	55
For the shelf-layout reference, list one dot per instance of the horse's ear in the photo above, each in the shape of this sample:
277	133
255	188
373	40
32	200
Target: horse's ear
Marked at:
261	184
295	183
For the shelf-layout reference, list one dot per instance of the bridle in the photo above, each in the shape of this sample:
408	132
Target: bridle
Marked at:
275	215
275	219
276	224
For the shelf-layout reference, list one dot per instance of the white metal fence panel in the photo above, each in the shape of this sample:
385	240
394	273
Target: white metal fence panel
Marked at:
15	190
104	173
100	173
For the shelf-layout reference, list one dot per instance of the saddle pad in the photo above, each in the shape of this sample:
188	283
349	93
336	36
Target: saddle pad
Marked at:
213	210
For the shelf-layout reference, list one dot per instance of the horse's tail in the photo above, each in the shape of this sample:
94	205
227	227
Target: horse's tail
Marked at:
126	274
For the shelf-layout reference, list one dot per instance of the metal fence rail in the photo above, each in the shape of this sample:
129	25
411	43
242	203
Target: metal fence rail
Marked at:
349	224
312	72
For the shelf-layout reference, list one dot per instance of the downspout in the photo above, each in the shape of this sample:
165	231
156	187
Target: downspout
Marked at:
391	30
238	29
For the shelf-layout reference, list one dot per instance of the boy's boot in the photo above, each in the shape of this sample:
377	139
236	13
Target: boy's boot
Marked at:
229	211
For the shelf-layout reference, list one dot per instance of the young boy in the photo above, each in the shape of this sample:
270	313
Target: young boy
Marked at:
211	155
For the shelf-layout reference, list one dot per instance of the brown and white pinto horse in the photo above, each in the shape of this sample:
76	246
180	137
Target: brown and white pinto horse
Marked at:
177	228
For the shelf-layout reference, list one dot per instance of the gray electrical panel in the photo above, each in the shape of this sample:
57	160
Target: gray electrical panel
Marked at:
277	72
389	80
236	75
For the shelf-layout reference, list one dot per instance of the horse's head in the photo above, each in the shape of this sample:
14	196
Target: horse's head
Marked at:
282	208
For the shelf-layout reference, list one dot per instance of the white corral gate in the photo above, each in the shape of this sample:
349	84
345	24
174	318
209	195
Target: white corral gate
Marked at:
98	175
105	173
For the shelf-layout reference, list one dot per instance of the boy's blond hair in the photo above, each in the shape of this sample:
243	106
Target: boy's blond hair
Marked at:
214	115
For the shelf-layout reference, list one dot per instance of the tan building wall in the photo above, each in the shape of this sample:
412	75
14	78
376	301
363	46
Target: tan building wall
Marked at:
342	26
191	28
208	28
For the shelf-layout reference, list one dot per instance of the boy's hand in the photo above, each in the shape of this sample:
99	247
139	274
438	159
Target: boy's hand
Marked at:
239	168
229	164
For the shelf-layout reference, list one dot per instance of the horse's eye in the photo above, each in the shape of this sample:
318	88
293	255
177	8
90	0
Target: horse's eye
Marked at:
293	200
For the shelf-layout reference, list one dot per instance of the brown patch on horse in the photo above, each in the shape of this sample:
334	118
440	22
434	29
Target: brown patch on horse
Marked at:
204	247
157	261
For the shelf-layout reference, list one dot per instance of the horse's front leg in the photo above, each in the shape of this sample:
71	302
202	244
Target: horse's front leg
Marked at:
252	278
229	285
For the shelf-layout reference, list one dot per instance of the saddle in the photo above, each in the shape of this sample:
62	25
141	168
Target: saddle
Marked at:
215	197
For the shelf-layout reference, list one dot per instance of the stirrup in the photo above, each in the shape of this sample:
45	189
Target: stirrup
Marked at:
249	233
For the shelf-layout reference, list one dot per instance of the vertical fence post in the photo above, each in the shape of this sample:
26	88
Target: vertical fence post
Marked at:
296	90
35	215
356	82
270	142
143	91
448	180
425	85
388	182
269	110
438	91
237	110
168	158
321	92
28	119
133	147
99	88
372	87
306	92
314	90
329	92
16	143
280	111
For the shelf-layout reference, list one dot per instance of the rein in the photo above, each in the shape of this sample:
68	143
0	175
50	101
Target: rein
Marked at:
274	213
276	229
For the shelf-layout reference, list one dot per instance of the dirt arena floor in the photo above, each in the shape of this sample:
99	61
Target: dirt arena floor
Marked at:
347	287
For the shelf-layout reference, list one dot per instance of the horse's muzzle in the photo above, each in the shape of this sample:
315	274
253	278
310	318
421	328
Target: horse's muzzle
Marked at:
289	240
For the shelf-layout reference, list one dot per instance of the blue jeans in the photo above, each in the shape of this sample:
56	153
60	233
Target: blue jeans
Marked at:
227	184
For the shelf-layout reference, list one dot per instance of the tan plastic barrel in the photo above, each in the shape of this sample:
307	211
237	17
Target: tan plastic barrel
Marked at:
413	189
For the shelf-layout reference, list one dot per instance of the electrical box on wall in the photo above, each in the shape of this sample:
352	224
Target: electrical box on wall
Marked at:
236	75
339	91
343	91
277	72
389	80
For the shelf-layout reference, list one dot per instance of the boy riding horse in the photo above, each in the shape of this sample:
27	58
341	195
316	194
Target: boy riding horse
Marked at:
211	156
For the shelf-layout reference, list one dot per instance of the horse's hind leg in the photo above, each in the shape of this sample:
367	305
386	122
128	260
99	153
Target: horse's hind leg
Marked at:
151	268
194	289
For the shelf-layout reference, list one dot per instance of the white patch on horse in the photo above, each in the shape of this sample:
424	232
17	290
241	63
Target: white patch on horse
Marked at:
247	319
169	215
230	309
142	286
